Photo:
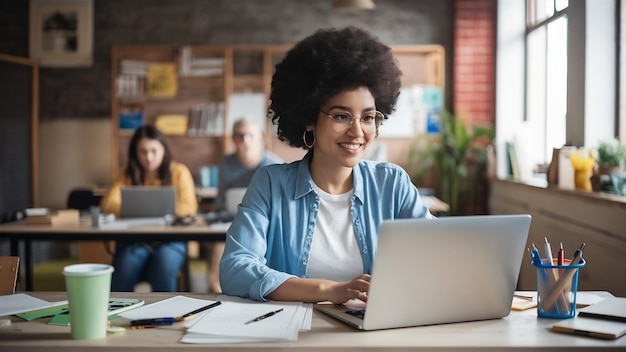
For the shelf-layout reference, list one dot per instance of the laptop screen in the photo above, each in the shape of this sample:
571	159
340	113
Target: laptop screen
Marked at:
145	202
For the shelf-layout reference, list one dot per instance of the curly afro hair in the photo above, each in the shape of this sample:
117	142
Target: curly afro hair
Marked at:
324	64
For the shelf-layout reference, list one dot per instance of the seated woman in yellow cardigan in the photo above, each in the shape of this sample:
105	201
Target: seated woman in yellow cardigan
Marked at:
150	164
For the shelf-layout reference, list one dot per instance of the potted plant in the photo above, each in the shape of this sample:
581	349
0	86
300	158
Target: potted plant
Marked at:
611	156
455	161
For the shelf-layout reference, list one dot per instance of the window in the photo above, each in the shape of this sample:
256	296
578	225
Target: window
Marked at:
546	76
557	78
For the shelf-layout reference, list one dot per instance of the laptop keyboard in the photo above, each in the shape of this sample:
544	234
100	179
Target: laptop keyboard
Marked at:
359	313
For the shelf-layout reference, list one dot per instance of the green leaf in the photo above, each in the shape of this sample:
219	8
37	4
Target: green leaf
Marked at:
455	158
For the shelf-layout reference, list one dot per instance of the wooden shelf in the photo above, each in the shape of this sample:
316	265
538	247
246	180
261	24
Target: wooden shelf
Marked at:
246	68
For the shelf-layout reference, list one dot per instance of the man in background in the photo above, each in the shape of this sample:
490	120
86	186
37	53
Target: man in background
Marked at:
236	171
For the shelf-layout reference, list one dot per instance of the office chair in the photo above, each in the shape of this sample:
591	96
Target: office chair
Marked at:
82	199
8	274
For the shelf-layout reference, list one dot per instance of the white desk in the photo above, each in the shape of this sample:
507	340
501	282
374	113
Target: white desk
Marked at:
520	331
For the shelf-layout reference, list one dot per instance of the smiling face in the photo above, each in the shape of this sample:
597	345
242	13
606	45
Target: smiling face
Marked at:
150	153
337	151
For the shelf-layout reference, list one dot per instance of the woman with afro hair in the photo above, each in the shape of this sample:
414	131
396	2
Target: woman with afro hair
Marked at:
307	231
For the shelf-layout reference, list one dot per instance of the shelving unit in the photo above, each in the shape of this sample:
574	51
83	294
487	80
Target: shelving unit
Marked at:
244	69
202	75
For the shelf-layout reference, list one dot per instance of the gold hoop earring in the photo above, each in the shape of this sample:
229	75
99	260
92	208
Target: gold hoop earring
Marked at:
308	146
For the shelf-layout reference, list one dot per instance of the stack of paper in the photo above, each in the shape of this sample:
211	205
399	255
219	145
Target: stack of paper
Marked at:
605	319
59	217
226	323
21	302
233	322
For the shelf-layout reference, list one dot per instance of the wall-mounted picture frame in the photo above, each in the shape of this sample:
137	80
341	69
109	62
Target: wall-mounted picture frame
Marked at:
61	32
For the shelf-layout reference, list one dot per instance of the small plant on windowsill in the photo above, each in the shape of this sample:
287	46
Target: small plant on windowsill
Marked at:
611	156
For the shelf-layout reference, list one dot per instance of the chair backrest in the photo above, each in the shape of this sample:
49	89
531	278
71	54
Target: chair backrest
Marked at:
82	199
8	274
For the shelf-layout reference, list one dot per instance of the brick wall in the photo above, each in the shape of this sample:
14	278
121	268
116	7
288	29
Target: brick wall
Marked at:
474	61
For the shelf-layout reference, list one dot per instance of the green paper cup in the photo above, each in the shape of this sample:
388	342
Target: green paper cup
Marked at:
88	287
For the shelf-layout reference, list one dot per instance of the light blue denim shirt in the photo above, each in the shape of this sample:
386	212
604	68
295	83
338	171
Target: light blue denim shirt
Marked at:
270	238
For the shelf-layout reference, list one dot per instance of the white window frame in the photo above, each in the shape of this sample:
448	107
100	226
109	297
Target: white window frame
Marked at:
592	84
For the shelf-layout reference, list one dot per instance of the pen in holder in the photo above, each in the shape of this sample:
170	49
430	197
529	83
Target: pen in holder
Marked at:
556	289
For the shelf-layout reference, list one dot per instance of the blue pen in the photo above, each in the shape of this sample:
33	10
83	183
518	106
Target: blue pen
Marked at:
532	256
536	256
155	321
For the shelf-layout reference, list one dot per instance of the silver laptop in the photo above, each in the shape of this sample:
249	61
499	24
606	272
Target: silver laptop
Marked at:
445	270
148	202
233	197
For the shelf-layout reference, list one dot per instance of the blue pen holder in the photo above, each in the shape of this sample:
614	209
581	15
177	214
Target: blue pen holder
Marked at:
556	290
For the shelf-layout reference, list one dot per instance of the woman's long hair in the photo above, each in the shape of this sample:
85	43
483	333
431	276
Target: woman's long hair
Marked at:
134	169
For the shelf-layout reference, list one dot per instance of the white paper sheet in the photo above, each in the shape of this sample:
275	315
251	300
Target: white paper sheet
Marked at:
171	307
227	323
21	302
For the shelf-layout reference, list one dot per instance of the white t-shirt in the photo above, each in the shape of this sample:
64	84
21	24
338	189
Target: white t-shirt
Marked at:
335	254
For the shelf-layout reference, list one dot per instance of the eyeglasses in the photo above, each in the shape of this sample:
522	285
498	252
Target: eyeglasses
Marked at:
242	136
341	121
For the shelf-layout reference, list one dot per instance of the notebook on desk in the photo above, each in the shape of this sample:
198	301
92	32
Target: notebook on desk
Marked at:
445	270
148	202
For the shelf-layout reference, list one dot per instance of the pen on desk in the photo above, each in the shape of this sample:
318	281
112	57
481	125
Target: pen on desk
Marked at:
140	327
120	329
199	310
172	320
548	252
154	321
264	316
526	298
560	259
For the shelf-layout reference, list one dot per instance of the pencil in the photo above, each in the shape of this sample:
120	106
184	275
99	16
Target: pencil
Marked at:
527	298
140	327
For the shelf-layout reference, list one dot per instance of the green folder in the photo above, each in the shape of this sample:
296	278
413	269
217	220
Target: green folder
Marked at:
61	316
44	312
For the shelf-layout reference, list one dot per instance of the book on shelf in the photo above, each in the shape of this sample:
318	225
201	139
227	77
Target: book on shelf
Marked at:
206	120
134	67
130	116
192	64
513	166
129	85
162	81
172	124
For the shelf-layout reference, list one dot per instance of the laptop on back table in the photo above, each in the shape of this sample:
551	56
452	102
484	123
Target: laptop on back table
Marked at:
445	270
148	202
